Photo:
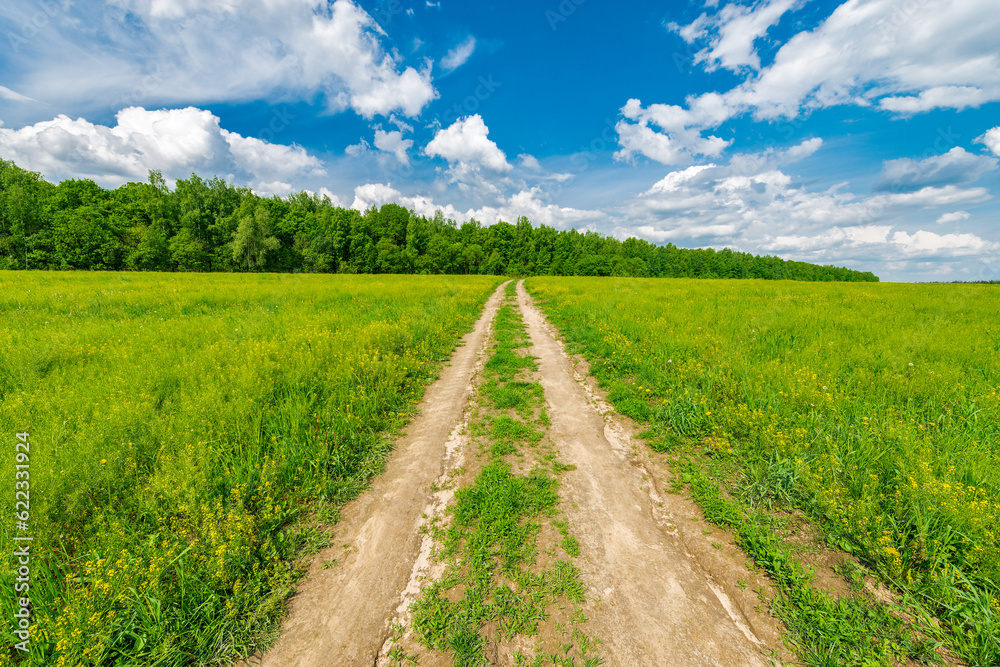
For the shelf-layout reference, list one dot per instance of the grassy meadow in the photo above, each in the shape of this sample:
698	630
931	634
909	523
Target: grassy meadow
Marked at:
185	431
871	409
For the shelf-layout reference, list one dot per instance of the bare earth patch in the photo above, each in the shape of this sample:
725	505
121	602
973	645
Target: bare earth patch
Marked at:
341	616
663	587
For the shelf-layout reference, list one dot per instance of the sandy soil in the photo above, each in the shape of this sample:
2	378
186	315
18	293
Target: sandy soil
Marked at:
652	601
341	616
662	584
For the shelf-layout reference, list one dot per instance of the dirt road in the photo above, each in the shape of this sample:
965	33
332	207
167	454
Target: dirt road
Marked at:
661	590
340	617
653	603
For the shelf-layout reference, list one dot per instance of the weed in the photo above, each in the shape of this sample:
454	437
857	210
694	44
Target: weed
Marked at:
849	403
185	425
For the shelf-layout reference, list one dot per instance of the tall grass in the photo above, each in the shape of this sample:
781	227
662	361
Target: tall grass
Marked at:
179	425
873	408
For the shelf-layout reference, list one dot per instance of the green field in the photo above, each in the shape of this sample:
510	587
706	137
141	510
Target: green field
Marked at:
182	428
192	434
871	409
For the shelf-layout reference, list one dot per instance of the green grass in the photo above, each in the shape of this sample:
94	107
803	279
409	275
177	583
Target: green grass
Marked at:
872	409
185	429
490	540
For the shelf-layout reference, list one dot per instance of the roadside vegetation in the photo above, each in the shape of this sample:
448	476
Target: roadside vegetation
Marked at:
191	436
871	412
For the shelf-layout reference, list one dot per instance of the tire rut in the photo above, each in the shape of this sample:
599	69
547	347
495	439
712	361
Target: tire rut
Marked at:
652	598
650	603
342	616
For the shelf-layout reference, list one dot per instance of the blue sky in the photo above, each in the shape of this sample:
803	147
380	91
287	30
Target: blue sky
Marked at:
863	134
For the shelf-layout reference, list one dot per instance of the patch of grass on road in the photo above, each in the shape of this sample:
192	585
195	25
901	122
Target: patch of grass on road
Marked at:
494	586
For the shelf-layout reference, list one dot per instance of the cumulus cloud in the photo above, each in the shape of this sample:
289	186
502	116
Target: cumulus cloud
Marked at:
475	163
177	142
466	143
956	216
803	150
992	140
679	137
394	143
179	51
459	55
957	166
529	203
752	204
374	195
732	33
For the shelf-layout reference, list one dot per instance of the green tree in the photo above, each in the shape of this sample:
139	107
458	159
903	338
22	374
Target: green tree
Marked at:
151	252
20	210
253	241
187	252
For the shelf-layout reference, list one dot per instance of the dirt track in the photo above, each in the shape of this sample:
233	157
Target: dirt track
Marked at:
659	591
341	616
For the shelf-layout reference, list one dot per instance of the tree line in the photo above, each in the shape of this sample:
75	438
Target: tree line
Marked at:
211	225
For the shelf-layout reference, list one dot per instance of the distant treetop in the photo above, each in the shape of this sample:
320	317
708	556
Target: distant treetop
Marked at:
210	225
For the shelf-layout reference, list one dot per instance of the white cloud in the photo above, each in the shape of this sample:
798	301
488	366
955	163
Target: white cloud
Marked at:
466	142
14	96
698	29
957	166
265	160
900	245
167	52
680	138
328	194
878	48
358	149
803	150
529	162
932	197
459	55
992	140
174	141
393	142
940	97
736	28
526	203
374	195
924	243
905	58
751	204
957	216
